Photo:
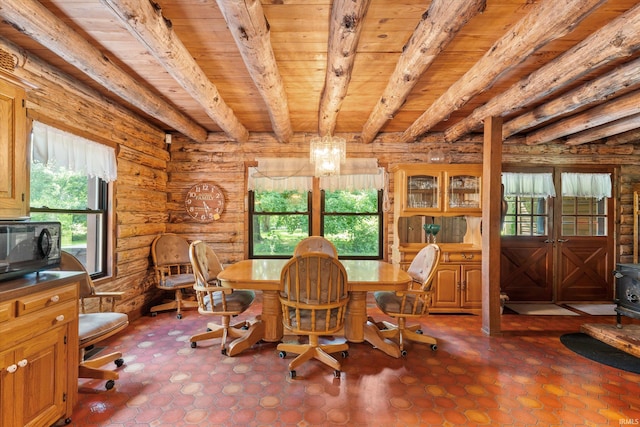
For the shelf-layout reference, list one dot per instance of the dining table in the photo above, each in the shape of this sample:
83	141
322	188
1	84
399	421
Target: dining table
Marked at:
363	276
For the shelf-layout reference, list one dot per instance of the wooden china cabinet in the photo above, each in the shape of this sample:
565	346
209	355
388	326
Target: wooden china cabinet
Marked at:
450	196
14	196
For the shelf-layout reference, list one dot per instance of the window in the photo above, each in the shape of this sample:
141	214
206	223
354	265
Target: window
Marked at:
278	221
69	183
287	203
351	220
526	216
584	216
79	203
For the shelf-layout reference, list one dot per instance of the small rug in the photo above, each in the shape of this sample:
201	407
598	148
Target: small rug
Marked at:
541	310
595	309
593	349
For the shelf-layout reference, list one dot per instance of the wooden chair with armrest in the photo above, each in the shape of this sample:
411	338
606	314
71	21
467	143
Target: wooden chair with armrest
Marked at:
172	266
214	300
413	302
313	296
315	244
97	321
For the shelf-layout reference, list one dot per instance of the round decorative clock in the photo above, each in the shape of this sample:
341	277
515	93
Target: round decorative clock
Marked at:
204	202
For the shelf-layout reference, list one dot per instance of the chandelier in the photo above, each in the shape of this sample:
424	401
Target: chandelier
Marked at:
326	153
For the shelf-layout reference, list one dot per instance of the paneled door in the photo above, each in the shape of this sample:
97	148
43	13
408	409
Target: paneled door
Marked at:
558	249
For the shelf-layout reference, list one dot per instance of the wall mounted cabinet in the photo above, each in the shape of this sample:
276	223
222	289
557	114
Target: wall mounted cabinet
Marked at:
14	196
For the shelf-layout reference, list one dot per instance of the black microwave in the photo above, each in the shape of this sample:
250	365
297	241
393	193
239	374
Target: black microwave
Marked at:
26	247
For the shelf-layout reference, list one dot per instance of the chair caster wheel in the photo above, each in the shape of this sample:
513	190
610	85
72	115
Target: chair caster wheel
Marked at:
336	373
403	353
419	331
179	316
245	328
194	344
282	354
223	351
109	385
345	354
292	374
119	362
154	314
434	347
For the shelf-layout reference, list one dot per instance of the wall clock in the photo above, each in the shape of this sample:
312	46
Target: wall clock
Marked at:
204	202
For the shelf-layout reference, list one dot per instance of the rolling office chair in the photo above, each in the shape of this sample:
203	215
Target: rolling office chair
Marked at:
411	303
214	300
313	297
94	327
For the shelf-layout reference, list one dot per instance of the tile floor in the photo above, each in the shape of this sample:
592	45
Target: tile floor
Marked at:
525	377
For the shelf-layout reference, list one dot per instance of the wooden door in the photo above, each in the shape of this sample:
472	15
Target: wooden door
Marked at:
561	249
526	268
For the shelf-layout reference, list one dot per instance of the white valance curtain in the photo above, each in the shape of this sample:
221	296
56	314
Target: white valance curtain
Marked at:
597	185
281	174
535	185
52	146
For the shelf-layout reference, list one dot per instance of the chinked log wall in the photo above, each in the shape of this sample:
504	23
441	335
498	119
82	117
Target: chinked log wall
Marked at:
152	181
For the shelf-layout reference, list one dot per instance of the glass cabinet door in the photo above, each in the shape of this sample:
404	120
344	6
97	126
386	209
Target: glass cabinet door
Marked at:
463	192
422	192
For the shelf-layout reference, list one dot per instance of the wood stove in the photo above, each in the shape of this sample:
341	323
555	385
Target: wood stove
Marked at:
627	291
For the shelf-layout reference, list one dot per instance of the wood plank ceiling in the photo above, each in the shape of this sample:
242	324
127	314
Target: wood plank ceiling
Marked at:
558	71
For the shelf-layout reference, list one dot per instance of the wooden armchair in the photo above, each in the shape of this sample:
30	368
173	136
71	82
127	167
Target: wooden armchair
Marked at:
97	321
413	302
315	244
313	297
170	254
214	300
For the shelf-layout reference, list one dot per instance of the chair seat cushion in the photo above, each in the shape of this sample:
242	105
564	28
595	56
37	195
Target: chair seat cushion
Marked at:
237	301
92	325
306	320
390	303
178	281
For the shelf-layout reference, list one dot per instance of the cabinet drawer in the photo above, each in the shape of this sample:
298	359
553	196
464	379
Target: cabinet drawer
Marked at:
462	257
25	327
7	311
31	303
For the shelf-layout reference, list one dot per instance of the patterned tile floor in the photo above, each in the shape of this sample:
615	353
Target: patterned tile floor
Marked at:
524	377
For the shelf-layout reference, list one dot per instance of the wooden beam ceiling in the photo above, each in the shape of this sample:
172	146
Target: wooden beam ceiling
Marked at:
384	70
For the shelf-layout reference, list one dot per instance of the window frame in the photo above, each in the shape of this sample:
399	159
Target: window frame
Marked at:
316	205
103	195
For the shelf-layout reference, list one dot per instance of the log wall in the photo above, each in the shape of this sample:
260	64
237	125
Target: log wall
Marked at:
153	178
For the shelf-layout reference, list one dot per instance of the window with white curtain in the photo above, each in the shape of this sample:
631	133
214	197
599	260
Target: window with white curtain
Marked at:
282	207
526	211
69	183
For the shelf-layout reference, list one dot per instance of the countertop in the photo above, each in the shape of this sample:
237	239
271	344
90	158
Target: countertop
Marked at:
36	282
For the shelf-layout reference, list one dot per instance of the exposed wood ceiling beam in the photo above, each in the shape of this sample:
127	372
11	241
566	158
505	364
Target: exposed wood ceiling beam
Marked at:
624	138
145	22
345	27
604	87
618	39
544	23
437	27
34	20
613	128
250	30
618	108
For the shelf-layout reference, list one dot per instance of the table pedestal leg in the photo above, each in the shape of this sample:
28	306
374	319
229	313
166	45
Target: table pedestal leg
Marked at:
272	316
358	329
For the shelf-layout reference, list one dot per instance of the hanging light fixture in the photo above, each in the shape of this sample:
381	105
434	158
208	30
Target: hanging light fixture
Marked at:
327	153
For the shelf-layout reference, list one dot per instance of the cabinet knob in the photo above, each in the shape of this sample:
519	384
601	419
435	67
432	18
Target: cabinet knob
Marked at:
12	368
467	256
55	298
22	363
60	317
